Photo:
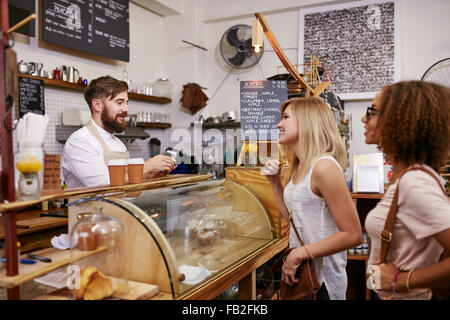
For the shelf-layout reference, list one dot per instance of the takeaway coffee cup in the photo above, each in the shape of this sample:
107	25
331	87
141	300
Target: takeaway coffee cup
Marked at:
135	170
117	170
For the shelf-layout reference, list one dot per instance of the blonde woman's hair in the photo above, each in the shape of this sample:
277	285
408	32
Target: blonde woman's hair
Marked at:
318	134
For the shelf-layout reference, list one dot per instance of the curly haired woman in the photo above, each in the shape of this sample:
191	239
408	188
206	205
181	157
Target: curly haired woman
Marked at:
409	121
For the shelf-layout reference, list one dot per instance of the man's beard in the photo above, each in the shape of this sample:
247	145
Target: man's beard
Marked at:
113	124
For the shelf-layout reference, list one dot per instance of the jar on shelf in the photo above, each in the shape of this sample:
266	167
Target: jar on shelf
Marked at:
96	262
365	244
162	88
30	174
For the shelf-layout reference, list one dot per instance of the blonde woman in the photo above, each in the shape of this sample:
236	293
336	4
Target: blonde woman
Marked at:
316	195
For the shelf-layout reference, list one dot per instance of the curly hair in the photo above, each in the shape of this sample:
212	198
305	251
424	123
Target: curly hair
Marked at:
414	118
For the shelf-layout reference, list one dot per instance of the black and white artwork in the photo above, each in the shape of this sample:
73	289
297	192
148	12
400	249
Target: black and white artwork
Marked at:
356	43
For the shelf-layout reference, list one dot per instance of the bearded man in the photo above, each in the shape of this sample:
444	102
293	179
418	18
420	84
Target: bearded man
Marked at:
88	150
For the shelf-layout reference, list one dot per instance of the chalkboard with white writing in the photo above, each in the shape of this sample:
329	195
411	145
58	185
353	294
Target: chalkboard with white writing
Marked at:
31	96
100	27
260	109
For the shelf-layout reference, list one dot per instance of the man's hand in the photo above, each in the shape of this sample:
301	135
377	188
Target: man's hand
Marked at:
158	166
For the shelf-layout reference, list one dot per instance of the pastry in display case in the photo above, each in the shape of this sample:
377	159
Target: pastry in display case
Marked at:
100	275
180	237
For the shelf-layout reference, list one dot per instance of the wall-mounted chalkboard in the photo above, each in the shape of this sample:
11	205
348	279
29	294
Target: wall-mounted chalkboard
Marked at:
260	109
31	96
19	10
96	26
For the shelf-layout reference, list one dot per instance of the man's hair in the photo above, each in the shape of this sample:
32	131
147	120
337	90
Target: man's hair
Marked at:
414	120
104	87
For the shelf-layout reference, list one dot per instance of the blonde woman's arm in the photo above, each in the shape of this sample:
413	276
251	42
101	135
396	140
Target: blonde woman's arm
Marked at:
272	172
327	181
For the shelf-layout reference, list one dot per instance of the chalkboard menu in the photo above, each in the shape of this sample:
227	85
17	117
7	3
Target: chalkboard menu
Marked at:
95	26
260	109
31	96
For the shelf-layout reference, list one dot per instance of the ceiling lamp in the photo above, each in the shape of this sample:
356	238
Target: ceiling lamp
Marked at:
257	35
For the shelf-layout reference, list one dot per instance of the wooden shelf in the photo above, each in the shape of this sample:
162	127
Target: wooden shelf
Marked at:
147	98
367	195
357	257
153	125
80	87
231	124
28	272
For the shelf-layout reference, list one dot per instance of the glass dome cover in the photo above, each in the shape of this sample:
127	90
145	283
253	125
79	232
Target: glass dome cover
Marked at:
95	242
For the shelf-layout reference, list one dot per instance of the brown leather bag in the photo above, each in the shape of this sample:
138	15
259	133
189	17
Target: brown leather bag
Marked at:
441	293
308	284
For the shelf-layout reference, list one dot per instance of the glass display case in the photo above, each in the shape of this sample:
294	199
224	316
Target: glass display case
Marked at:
180	237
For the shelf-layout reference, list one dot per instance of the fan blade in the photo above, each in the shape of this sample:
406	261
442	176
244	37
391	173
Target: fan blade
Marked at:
248	48
238	59
233	38
248	44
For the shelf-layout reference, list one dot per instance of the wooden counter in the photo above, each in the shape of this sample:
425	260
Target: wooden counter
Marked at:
242	271
242	268
252	178
47	195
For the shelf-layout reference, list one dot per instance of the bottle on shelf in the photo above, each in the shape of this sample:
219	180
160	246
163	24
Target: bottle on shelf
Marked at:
365	244
125	77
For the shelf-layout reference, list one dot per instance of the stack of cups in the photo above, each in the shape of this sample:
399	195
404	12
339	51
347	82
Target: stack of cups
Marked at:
135	170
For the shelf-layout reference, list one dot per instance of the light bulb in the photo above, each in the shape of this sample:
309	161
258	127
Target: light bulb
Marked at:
257	49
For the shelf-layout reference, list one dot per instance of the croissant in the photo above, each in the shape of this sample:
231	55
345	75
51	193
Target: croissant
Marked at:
86	276
99	288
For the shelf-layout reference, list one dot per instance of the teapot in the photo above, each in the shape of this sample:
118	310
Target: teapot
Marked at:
24	67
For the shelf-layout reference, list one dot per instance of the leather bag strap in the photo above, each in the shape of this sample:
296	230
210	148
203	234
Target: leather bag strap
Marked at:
386	234
295	229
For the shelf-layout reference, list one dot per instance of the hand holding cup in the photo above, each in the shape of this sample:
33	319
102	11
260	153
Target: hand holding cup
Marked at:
271	170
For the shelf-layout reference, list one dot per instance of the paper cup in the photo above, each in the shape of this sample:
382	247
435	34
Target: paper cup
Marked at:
135	170
117	170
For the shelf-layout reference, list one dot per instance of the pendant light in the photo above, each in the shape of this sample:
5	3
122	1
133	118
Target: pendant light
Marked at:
257	35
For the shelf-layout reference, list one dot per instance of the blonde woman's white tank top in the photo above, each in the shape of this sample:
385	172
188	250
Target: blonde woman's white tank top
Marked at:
314	222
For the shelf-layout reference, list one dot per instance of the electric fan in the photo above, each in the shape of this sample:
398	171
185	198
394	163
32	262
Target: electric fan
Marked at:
236	47
439	73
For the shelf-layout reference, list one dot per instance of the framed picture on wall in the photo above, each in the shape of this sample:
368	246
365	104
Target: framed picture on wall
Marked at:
358	43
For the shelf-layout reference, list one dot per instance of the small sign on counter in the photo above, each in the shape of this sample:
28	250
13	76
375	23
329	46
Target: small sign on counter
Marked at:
260	109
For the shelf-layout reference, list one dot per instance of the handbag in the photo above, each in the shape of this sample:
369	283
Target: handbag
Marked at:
440	293
308	284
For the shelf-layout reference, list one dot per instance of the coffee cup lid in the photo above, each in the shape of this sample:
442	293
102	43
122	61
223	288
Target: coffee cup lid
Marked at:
117	162
136	161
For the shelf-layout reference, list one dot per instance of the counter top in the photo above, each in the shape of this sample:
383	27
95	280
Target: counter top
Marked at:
48	195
